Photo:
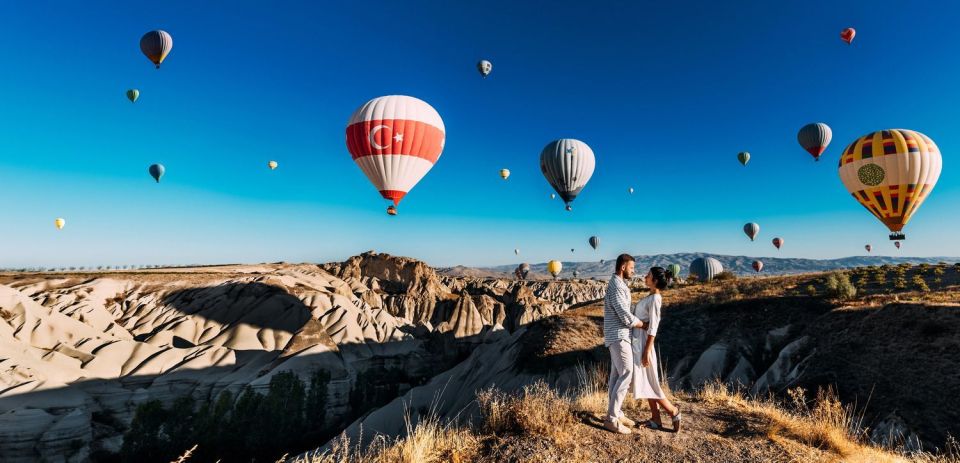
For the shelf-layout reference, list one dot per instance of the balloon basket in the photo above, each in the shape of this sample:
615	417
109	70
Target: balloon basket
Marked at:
897	236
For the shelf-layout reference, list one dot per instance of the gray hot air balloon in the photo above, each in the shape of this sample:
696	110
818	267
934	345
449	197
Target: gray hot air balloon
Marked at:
594	242
156	171
705	268
576	273
814	138
156	45
522	271
568	165
751	229
485	67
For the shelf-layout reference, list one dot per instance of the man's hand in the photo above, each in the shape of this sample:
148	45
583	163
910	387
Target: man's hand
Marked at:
639	324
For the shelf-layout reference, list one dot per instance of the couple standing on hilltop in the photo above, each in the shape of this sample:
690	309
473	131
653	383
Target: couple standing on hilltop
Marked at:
629	335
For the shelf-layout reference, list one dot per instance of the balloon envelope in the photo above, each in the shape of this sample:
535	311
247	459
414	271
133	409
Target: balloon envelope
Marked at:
567	164
156	171
395	140
897	244
594	242
485	67
674	269
868	248
133	94
778	242
504	173
891	173
751	229
630	190
155	45
272	165
757	266
848	34
705	268
516	251
554	267
59	223
815	138
743	157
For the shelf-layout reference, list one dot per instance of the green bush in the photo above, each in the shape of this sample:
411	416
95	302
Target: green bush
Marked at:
254	427
880	277
900	283
811	290
839	286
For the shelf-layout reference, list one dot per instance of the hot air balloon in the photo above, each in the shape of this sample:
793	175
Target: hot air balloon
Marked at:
553	196
868	248
484	67
554	267
156	171
594	242
133	94
576	273
523	270
751	229
897	244
516	252
395	140
848	34
705	268
272	165
602	261
743	157
630	190
757	266
59	223
571	249
156	45
674	269
777	242
391	210
891	172
568	165
814	138
504	173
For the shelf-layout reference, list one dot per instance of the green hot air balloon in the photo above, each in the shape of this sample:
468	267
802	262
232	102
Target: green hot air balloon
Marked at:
133	94
674	269
156	171
743	157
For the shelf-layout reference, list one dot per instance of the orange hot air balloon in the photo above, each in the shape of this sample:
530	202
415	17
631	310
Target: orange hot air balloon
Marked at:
848	34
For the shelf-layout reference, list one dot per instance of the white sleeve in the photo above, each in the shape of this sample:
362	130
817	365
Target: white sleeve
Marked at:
654	316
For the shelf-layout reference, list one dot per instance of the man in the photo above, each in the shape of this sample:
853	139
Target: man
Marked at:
618	319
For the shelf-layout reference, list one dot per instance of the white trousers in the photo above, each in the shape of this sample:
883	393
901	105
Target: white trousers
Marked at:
621	372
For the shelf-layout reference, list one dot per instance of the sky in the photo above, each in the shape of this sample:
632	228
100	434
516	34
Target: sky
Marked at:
666	94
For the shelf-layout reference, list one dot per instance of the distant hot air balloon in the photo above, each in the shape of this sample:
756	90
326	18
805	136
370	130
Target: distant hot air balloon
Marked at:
743	157
156	171
630	190
504	173
516	251
485	67
814	138
568	165
553	196
576	273
848	34
674	269
272	165
391	210
897	244
133	94
705	268
59	223
554	267
156	45
524	270
891	172
777	242
602	261
395	140
757	266
571	249
594	242
751	229
868	248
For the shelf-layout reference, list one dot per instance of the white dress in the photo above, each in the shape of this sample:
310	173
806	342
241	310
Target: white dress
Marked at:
646	381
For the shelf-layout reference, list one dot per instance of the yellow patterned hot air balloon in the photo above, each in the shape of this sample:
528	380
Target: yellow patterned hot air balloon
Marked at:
554	267
891	172
272	165
59	223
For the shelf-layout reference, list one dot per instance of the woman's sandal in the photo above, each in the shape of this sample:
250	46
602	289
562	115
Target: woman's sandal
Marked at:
676	421
654	425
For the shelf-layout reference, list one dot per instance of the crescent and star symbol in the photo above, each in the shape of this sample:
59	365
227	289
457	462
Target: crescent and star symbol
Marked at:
373	137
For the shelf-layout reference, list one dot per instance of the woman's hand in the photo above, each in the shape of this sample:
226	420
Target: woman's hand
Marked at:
645	361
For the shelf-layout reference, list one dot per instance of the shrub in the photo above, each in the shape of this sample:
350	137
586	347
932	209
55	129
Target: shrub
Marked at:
900	283
939	271
840	287
725	275
919	283
880	277
537	411
811	290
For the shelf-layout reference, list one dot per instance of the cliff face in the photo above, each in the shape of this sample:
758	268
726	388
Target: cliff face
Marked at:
81	351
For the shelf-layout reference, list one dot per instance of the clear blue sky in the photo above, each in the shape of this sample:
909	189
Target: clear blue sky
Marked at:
666	93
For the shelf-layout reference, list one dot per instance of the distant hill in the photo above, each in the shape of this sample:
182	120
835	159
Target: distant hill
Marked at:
737	264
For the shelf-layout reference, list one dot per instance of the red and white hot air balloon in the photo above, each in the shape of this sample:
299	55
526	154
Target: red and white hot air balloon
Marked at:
848	34
395	140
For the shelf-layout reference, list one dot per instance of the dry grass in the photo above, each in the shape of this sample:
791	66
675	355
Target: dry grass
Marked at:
537	411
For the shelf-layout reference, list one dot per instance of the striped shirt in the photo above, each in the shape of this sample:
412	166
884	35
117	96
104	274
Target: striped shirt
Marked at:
617	318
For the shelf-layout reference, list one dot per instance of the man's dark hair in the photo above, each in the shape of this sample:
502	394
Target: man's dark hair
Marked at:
622	259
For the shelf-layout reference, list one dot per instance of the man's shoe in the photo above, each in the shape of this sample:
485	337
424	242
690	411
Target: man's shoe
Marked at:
627	422
615	426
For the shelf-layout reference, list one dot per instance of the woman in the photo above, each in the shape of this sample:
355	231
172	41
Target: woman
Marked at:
646	379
